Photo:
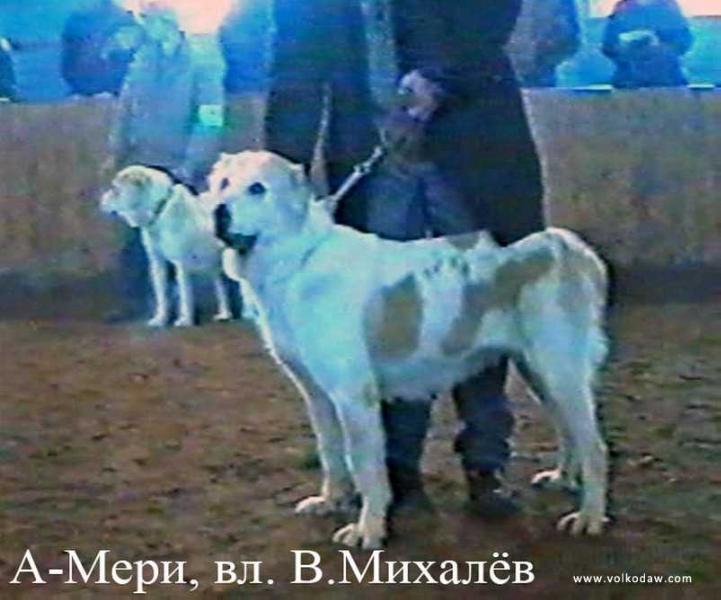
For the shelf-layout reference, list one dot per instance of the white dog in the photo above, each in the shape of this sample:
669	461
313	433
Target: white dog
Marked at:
177	228
354	320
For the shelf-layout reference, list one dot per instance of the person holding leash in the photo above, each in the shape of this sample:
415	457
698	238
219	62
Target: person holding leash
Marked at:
463	109
461	92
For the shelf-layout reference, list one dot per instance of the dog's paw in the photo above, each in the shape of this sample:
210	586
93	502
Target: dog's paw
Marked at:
354	535
158	321
554	479
578	523
223	317
321	506
183	322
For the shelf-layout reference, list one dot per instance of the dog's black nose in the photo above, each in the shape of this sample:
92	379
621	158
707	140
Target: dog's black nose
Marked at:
237	241
222	222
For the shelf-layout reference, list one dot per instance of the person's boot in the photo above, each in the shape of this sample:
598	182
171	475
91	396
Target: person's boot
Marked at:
486	497
409	495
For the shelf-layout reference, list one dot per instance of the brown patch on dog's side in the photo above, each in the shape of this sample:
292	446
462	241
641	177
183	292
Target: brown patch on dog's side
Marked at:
466	324
464	241
394	320
501	293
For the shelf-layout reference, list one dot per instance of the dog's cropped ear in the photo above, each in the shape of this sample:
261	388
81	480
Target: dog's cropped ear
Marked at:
135	176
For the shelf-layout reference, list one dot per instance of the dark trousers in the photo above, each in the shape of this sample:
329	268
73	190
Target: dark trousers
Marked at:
482	408
132	277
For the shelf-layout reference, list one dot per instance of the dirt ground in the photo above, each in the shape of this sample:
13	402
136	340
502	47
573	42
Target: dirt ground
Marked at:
189	445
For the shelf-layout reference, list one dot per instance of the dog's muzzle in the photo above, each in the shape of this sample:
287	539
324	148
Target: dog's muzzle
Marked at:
105	205
237	241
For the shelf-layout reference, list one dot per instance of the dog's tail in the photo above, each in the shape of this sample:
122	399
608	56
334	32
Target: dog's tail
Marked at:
575	290
578	259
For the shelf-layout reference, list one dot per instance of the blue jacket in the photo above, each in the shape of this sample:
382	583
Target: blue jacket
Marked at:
640	63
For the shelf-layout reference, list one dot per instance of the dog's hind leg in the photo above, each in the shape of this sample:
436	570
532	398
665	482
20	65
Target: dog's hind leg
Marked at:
221	295
360	416
568	395
337	489
249	306
566	473
577	410
186	310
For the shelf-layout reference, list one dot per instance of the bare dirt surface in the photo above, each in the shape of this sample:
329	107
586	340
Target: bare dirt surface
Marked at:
189	445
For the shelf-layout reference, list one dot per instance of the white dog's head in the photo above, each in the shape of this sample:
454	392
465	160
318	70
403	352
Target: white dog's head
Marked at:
136	195
260	196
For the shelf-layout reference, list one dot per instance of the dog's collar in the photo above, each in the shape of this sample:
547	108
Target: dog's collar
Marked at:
161	206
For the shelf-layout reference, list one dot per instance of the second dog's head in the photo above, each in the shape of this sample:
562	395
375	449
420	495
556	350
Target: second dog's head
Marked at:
260	195
137	194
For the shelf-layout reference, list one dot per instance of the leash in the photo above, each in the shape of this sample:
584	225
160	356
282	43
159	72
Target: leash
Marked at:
360	172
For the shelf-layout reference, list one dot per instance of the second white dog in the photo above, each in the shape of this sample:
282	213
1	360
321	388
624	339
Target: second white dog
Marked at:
177	228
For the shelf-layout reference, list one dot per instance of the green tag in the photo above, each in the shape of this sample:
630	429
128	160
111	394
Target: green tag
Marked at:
211	115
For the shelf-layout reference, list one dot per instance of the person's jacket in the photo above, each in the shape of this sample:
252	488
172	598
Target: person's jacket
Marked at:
459	43
640	63
317	39
478	140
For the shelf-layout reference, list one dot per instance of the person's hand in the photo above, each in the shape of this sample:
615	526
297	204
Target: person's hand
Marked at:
420	96
653	39
403	136
639	36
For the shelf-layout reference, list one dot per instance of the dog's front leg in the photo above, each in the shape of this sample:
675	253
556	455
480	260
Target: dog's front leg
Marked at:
186	310
221	294
159	281
337	489
248	303
365	451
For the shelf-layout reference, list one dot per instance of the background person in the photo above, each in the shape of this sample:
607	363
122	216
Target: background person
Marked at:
98	44
646	40
7	70
547	34
243	38
170	116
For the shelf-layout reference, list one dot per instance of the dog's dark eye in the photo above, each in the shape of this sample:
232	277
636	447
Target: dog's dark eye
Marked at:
256	189
224	184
